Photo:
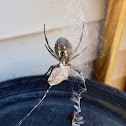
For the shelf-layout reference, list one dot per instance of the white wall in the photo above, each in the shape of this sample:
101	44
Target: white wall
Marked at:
22	50
28	16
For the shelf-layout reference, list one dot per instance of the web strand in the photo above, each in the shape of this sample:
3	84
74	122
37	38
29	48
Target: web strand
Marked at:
21	121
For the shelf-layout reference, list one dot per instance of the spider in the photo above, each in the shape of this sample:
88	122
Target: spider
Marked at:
64	53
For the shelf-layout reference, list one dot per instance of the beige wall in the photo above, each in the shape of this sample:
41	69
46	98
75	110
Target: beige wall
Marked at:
22	50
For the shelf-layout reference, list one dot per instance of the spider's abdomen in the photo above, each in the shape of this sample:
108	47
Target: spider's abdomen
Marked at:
63	48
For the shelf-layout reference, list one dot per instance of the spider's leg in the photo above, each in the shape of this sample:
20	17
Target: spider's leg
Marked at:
76	55
47	40
47	72
75	68
78	43
90	82
54	66
43	75
49	48
50	52
50	69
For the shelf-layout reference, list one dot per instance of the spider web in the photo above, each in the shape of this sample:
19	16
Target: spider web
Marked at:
86	60
92	34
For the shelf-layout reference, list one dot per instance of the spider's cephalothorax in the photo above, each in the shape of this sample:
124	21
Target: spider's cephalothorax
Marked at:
63	50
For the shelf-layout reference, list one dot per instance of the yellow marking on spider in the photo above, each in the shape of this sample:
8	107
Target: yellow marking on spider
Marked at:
64	47
64	63
65	53
58	47
59	53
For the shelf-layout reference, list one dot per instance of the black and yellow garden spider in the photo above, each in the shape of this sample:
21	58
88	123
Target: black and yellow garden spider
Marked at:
64	53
